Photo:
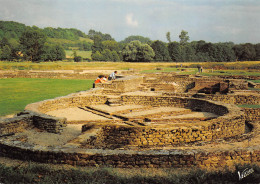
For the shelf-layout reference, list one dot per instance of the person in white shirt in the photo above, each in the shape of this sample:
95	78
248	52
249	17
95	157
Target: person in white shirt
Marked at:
112	76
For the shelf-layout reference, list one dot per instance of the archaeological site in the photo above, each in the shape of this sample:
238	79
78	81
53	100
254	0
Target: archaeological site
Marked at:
159	120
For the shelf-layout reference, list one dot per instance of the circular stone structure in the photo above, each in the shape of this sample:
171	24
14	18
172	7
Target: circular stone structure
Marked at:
131	129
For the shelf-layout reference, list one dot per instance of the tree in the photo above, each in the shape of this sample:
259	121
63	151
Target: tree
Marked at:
257	50
53	53
173	50
168	36
249	52
4	42
190	53
32	43
86	46
6	53
97	56
107	55
60	52
161	51
77	59
245	52
135	38
137	52
92	33
115	56
184	38
97	46
111	45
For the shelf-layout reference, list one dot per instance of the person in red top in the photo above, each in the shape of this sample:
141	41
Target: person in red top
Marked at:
98	80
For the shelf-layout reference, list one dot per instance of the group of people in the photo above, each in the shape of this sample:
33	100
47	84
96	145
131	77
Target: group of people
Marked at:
200	69
103	78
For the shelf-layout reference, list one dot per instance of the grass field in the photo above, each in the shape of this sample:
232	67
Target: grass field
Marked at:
146	67
17	93
83	54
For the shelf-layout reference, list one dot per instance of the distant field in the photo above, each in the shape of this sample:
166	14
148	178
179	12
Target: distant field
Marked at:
83	54
86	39
187	68
17	93
65	41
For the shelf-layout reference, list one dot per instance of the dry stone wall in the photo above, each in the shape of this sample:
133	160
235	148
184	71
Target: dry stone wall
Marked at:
29	119
14	125
133	159
127	84
238	99
66	102
252	114
229	124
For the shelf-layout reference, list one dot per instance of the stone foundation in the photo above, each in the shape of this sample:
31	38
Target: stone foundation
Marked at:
134	159
142	142
28	119
252	114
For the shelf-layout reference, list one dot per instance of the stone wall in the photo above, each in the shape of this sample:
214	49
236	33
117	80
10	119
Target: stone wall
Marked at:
29	119
182	82
134	159
257	85
182	102
126	84
238	99
66	102
14	125
197	84
229	124
123	136
252	114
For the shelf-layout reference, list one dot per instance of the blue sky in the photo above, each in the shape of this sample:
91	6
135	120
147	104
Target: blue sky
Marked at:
210	20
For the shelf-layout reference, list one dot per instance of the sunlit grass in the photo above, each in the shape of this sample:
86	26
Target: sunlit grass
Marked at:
17	93
146	67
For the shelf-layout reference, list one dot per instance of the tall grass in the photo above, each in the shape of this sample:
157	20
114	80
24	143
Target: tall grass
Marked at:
33	173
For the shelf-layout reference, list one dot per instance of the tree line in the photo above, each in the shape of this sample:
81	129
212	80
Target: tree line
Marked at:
142	49
18	41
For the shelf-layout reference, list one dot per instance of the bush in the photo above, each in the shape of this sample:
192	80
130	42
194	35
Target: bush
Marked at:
77	59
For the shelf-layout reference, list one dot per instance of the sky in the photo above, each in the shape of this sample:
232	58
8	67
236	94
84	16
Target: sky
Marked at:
213	21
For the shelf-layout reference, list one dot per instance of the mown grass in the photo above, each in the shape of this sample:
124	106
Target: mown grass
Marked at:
17	93
256	81
36	173
232	72
249	106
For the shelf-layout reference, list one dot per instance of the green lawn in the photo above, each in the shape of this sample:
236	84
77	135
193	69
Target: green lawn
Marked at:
249	106
17	93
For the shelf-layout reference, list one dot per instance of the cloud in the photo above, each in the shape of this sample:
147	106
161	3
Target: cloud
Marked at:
130	20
